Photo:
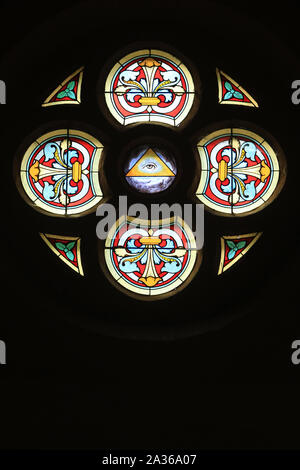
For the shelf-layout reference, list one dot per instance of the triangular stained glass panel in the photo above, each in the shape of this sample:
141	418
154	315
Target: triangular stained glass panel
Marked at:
230	92
234	247
67	92
66	248
162	168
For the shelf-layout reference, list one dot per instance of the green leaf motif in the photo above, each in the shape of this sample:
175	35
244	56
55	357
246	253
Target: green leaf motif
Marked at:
228	95
231	244
61	94
60	246
70	255
66	248
71	85
234	247
238	95
71	95
70	245
228	86
231	92
67	92
241	244
231	254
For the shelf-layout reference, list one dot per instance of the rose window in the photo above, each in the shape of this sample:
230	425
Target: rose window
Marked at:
148	98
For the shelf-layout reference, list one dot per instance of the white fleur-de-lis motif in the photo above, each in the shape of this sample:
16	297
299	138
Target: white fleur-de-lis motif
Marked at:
150	90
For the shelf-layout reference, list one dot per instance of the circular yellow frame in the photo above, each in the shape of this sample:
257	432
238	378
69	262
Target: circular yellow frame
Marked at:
150	293
32	199
149	118
278	172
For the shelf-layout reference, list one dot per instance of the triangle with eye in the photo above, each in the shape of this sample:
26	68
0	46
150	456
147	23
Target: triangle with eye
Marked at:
150	164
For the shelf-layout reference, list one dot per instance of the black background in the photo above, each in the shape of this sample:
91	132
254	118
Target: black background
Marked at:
88	367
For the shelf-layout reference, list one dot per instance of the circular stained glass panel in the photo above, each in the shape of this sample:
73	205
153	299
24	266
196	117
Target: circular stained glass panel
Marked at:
240	171
60	172
151	258
149	86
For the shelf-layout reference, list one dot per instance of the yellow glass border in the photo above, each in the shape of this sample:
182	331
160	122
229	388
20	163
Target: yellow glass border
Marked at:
149	223
216	133
150	118
134	54
278	175
152	294
94	174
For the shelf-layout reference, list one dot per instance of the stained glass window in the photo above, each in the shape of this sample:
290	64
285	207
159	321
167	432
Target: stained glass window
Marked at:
66	248
151	258
230	92
240	171
60	172
233	247
150	170
67	92
149	86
